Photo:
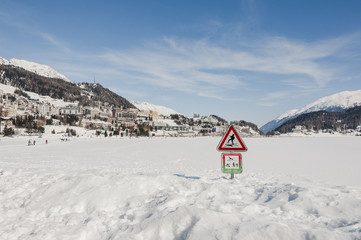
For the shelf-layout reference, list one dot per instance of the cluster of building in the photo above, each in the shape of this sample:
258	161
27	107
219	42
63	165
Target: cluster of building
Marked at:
303	130
104	116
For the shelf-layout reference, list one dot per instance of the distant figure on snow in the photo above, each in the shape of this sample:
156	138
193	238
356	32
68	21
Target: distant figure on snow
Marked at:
46	141
34	142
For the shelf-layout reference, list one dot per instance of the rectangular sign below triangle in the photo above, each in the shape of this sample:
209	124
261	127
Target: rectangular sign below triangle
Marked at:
231	141
231	163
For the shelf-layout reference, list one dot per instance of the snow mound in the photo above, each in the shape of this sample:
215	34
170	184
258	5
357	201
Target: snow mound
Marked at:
145	106
40	69
110	205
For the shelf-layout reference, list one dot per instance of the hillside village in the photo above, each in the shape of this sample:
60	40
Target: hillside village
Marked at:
19	111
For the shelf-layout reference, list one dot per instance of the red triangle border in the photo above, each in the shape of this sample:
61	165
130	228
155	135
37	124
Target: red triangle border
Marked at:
220	145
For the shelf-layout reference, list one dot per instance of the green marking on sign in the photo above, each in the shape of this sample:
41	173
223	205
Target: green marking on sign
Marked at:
231	163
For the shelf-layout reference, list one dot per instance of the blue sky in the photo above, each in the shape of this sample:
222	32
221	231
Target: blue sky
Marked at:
241	60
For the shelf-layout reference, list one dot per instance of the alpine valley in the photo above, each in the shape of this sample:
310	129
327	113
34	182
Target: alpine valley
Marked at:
30	81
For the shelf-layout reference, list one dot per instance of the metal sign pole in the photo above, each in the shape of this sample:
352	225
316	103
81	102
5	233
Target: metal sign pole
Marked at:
232	174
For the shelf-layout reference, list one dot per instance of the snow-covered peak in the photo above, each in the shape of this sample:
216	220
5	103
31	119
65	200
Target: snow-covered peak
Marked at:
145	106
342	100
40	69
287	114
3	61
336	102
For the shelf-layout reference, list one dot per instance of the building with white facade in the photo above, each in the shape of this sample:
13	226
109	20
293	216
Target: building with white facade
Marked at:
71	110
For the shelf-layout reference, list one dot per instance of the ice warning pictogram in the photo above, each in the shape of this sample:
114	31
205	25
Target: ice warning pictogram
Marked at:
231	141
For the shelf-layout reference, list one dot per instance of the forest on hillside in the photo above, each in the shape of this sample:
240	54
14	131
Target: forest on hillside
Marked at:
87	95
321	120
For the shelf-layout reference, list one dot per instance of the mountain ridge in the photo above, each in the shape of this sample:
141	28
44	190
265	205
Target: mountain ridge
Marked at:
323	120
40	69
86	94
337	102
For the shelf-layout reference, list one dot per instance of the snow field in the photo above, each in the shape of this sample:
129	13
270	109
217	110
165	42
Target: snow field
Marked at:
97	188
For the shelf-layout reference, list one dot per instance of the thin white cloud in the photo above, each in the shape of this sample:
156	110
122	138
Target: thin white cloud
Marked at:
127	92
267	104
273	98
172	67
275	95
55	42
23	26
207	69
351	78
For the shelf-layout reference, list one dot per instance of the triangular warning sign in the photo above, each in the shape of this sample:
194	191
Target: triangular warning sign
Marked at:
231	141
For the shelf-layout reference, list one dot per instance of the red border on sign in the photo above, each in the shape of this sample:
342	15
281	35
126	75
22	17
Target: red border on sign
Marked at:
221	148
238	155
231	154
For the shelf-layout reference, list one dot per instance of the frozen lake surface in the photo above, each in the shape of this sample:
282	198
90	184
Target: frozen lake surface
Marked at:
140	188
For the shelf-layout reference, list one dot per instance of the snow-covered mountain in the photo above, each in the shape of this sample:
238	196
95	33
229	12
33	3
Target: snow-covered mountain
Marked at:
3	61
40	69
151	107
86	94
334	103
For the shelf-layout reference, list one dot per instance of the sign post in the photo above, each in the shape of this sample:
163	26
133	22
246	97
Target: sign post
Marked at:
231	144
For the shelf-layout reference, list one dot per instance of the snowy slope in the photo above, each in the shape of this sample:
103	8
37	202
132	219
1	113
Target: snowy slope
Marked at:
7	88
42	70
336	102
35	96
151	107
278	121
140	188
